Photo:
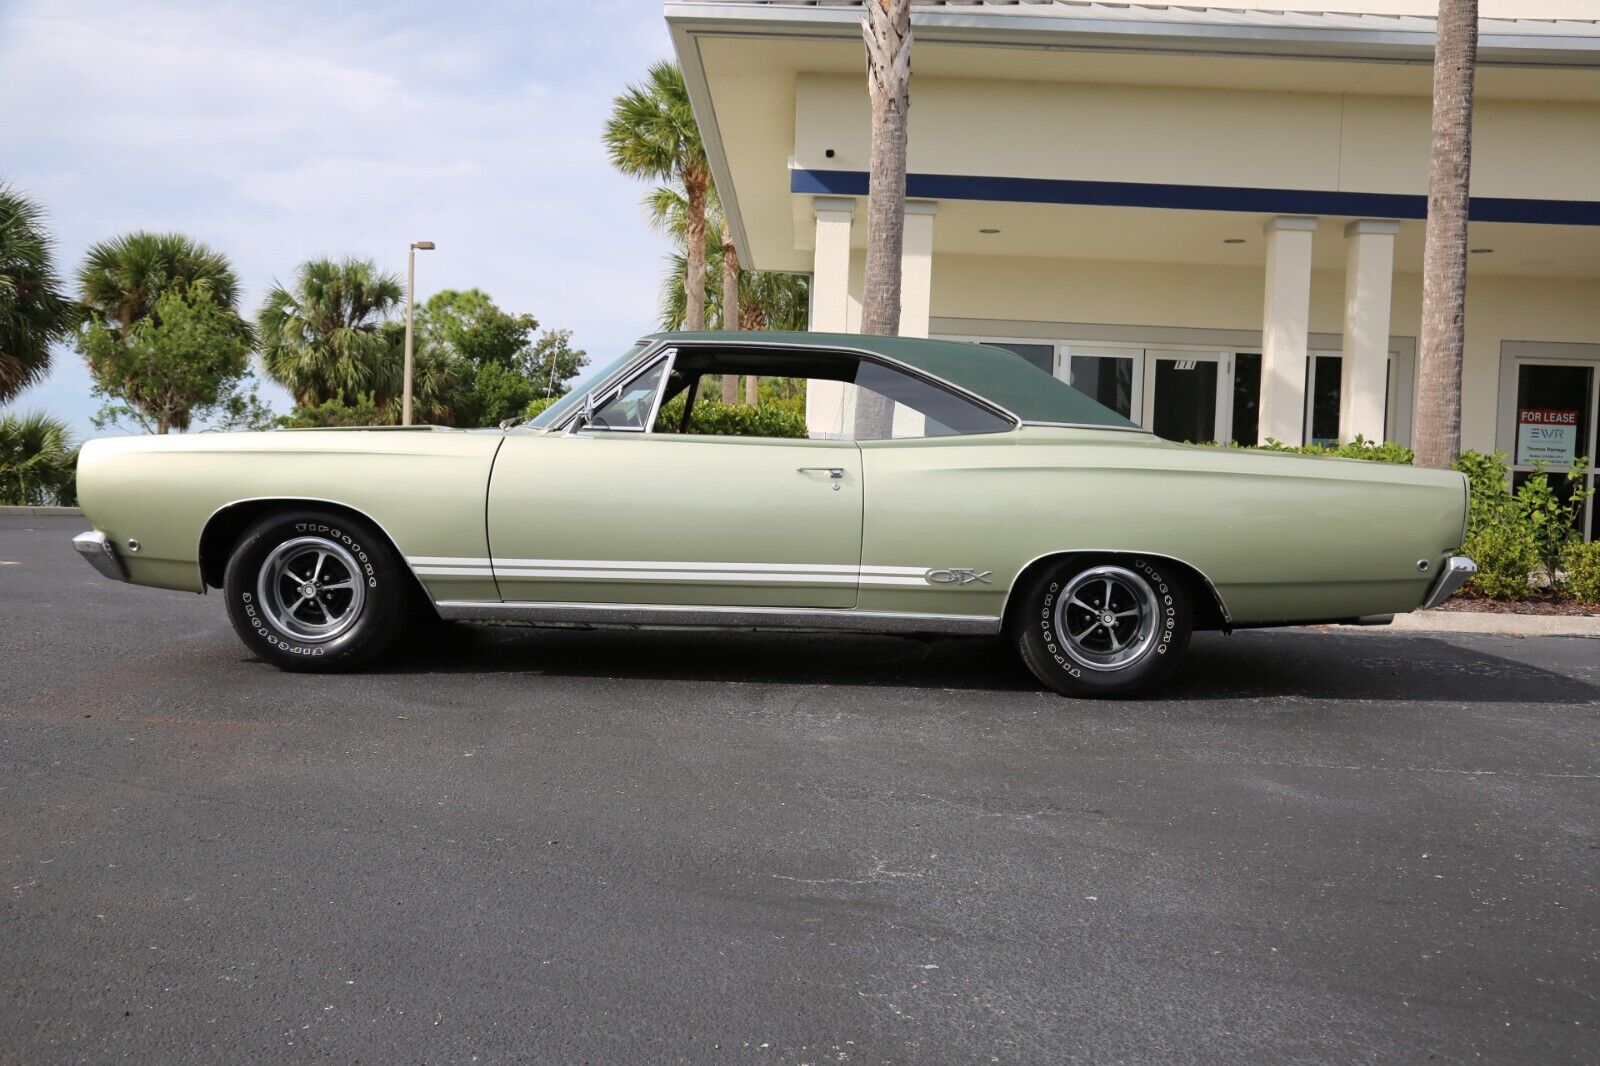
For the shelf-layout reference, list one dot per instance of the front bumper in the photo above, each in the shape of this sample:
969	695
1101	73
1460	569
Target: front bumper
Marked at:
1457	571
95	546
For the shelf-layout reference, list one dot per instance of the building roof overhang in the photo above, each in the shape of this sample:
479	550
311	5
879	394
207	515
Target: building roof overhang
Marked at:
1163	28
1518	57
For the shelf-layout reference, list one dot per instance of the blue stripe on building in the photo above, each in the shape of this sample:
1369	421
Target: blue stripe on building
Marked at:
1196	197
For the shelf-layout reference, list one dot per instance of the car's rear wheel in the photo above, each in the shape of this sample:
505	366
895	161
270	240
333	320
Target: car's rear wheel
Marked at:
316	591
1103	627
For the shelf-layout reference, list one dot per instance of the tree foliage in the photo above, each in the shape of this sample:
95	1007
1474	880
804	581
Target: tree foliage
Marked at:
767	299
712	417
187	358
162	334
333	332
337	412
38	461
121	279
652	134
492	362
34	313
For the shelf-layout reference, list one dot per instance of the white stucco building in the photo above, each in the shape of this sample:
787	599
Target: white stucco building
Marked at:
1208	217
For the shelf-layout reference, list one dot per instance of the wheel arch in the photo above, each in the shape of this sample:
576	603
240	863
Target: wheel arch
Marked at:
1210	611
228	523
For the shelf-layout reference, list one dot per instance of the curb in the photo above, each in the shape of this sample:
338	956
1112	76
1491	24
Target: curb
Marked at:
1493	623
39	511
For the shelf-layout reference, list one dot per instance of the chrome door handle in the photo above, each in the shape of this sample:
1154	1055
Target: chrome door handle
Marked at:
835	472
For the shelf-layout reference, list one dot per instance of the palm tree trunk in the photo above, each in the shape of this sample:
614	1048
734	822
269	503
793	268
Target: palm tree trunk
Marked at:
730	281
1444	258
730	307
694	279
887	29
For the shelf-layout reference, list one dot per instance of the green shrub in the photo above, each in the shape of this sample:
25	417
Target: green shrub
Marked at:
38	460
1360	448
1551	521
538	407
1582	563
1489	488
1505	555
337	413
711	417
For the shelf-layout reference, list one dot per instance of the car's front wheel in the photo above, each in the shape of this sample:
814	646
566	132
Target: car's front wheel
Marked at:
315	591
1104	627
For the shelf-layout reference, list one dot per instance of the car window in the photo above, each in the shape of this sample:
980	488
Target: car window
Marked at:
631	407
818	395
552	414
893	405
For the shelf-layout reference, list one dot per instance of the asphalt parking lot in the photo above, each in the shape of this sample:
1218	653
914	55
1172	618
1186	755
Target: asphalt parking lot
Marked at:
520	845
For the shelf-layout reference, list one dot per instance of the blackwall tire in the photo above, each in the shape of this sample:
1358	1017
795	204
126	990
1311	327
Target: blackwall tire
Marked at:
1112	626
312	591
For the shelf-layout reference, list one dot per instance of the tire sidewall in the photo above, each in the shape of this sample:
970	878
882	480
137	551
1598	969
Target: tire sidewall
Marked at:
1042	646
384	591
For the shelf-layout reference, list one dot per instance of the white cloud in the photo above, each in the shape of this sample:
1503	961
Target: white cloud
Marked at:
277	132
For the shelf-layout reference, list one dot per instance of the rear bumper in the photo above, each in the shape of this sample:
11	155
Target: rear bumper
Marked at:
95	546
1457	571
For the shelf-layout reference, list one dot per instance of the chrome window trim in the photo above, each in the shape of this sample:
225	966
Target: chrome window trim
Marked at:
860	353
660	614
665	356
1090	425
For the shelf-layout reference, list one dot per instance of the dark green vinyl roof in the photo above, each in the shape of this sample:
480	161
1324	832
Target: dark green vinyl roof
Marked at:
997	375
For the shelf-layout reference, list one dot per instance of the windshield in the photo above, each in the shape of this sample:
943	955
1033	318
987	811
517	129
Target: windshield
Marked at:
552	414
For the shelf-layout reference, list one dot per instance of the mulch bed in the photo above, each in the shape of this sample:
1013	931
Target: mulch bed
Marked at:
1539	601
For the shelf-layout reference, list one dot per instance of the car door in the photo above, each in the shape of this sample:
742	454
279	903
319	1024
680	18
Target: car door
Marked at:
617	513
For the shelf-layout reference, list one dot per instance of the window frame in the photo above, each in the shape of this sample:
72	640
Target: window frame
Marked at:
602	392
611	392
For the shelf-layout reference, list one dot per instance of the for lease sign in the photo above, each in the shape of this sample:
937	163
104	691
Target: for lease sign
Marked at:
1547	435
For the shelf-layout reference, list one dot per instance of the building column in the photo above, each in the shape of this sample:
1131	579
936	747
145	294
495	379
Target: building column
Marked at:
1286	319
916	268
1364	359
830	307
830	267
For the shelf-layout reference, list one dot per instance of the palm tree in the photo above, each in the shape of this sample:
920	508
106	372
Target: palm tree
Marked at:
38	460
120	285
1444	257
332	333
121	279
887	30
652	134
730	312
763	299
33	312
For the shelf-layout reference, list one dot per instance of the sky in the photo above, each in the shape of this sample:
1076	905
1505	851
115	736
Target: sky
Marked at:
284	130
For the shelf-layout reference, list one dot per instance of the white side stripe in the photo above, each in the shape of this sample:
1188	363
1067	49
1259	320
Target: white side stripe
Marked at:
608	570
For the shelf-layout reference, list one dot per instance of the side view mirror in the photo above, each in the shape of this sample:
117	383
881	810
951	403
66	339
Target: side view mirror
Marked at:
584	416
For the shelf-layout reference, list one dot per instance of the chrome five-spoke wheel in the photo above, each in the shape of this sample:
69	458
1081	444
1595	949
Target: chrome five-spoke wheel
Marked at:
1107	617
1107	626
310	589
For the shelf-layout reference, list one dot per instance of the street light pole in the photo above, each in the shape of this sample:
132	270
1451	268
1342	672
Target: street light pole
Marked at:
411	299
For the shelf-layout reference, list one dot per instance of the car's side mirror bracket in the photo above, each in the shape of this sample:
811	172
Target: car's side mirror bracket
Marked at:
583	418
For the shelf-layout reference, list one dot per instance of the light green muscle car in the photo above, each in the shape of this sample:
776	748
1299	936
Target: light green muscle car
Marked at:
943	488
